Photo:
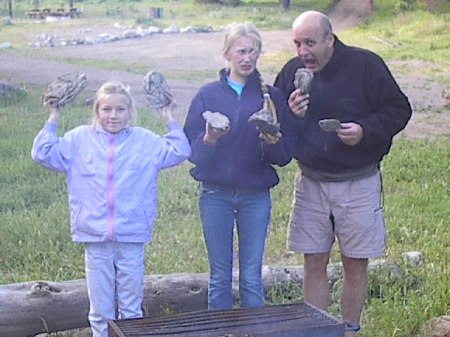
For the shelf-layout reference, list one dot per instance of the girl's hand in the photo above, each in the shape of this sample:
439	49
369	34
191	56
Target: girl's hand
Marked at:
167	111
51	105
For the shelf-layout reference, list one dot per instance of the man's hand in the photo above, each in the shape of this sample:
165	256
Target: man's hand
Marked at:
350	133
298	102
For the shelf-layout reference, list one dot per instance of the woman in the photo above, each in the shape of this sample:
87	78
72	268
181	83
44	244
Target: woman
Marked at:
234	166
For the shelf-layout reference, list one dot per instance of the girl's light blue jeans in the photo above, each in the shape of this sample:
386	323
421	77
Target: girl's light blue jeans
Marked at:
221	211
115	282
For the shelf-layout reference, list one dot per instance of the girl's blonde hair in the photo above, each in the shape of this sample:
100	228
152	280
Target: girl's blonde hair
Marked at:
236	31
248	29
112	88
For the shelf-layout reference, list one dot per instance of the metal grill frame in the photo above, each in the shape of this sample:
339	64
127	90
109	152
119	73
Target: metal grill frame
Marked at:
286	320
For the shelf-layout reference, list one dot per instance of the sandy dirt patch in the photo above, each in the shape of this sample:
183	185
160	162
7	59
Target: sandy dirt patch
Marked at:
182	55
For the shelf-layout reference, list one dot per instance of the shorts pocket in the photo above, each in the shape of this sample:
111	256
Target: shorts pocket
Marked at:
379	230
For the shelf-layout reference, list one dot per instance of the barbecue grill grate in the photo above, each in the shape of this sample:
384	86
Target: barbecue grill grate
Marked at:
299	320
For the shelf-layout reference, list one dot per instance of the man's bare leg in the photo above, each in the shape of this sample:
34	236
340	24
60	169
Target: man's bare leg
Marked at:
316	290
354	291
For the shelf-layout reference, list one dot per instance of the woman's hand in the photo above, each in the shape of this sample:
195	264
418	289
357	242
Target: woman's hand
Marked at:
270	139
212	134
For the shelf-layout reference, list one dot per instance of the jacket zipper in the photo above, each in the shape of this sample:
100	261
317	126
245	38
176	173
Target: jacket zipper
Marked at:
110	182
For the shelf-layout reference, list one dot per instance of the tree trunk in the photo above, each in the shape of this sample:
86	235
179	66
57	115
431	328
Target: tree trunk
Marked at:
284	4
10	13
31	308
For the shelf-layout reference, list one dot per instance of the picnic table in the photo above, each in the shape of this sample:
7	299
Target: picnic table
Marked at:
37	13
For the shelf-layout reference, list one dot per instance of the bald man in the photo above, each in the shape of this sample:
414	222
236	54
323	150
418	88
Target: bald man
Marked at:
338	185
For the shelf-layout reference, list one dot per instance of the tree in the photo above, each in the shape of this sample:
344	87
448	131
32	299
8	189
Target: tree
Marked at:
9	4
285	4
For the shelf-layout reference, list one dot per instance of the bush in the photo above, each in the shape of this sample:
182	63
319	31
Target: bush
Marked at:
207	1
230	3
405	5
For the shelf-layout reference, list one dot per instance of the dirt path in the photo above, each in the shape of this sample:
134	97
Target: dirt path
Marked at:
189	53
349	13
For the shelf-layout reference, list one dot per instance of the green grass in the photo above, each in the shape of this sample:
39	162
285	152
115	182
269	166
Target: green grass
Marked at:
265	14
35	242
403	37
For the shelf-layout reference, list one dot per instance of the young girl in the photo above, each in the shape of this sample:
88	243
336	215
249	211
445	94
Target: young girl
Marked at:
234	166
112	170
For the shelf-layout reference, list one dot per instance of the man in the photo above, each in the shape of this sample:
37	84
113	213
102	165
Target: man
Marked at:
338	186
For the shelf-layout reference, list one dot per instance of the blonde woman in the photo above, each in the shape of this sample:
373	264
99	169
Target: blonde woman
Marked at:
235	168
112	170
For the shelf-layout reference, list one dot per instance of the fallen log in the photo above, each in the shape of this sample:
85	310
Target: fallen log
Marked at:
27	309
32	308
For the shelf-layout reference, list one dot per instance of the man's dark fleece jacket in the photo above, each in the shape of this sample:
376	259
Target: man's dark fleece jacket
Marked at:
240	159
354	86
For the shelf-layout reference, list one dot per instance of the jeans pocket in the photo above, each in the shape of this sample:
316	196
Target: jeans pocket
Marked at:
205	189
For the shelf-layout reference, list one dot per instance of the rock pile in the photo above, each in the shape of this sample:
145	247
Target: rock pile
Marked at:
51	40
9	91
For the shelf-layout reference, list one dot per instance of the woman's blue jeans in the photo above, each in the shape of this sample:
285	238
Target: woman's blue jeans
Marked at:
220	210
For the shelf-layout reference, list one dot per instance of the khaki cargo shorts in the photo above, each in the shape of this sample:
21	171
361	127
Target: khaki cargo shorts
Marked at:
349	211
